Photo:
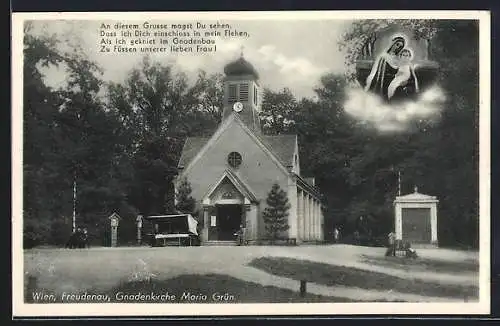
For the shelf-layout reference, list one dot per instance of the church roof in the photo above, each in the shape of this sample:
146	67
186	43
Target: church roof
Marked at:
283	146
192	146
240	67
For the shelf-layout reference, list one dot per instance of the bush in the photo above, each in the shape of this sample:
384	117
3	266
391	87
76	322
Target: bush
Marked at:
34	232
60	231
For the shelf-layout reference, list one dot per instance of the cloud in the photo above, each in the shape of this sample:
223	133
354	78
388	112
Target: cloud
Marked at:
370	109
297	67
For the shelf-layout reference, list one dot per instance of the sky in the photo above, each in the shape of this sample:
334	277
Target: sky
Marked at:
286	53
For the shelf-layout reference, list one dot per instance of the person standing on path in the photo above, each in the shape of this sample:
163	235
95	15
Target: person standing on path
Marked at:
391	248
239	235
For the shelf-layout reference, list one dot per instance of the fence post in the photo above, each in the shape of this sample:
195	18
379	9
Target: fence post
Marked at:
303	288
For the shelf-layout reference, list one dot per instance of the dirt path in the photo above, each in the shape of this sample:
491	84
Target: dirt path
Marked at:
77	270
250	274
356	261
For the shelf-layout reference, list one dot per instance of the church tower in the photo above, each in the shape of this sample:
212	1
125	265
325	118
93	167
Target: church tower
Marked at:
242	93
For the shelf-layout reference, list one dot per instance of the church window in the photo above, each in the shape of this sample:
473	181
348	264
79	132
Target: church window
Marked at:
244	92
234	159
232	94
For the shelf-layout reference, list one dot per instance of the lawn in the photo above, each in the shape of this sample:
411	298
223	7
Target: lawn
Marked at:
424	264
240	271
209	288
332	275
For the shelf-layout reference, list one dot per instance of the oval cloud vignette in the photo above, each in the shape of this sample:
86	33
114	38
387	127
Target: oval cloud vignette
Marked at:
370	109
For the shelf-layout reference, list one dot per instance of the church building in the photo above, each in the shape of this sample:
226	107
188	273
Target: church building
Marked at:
232	172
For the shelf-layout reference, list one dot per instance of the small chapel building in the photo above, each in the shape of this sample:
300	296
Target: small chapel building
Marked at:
232	172
416	219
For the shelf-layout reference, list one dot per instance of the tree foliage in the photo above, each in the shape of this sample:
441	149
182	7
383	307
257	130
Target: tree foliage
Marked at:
275	215
64	129
158	109
278	111
185	202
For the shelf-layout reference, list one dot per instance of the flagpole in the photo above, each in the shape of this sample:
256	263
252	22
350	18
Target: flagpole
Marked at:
399	183
74	204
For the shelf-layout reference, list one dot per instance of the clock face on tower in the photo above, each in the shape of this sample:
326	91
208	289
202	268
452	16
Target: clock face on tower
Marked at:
237	107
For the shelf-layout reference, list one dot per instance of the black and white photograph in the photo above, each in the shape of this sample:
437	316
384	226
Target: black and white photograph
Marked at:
193	163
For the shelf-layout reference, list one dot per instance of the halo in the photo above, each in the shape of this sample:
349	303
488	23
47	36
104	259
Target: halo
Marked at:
399	36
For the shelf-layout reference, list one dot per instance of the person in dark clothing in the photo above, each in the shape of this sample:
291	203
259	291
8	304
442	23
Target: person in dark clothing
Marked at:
410	252
356	238
79	237
336	235
74	240
84	239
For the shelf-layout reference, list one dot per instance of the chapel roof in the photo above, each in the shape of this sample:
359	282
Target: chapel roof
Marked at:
282	146
416	197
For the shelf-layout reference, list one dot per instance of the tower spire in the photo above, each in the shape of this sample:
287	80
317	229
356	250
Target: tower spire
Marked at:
241	50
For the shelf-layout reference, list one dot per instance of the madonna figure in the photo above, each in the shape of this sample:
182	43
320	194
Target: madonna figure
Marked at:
385	68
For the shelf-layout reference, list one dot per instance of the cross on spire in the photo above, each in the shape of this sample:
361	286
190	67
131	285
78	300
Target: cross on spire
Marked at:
242	48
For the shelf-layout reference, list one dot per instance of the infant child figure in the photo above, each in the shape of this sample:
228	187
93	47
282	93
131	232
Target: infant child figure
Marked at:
404	75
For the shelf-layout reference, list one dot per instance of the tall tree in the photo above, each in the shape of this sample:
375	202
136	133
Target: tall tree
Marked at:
185	202
158	109
42	187
329	141
69	137
209	92
275	215
278	111
92	147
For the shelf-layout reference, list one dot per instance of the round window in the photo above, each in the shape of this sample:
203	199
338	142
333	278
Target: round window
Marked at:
234	159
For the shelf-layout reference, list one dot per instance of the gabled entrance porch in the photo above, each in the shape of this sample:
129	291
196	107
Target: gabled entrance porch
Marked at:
228	208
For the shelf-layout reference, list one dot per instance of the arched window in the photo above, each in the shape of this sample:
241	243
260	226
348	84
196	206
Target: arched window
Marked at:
234	159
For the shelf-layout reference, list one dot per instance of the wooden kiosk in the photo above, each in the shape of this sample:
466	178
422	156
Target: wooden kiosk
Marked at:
175	229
